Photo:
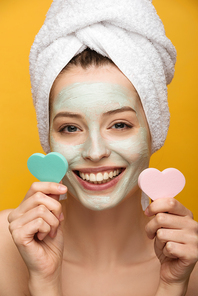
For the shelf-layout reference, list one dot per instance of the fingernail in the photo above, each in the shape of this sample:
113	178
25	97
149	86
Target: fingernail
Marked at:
146	212
61	217
61	188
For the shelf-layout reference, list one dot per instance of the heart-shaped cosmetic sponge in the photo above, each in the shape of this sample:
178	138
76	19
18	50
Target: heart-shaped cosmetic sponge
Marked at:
48	168
156	184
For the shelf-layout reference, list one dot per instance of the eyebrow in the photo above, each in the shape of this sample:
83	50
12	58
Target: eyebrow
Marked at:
68	114
76	115
123	109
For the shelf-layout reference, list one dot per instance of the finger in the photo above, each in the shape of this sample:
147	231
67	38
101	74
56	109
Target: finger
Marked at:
46	188
160	242
160	249
37	189
167	205
184	252
24	236
39	212
189	238
164	220
173	235
37	199
41	235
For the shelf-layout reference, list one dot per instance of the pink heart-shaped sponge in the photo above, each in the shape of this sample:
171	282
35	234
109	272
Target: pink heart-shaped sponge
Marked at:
156	184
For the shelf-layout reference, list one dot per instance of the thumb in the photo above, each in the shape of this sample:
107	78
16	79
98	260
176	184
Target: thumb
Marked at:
54	196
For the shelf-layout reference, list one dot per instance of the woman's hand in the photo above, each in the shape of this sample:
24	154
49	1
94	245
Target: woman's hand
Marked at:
36	231
176	239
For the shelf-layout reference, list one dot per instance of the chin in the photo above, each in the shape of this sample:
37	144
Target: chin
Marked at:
98	203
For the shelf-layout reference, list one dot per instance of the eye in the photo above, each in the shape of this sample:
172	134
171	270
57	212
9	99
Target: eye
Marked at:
69	129
121	126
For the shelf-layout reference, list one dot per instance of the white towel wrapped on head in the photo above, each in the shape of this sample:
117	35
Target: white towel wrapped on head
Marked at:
129	32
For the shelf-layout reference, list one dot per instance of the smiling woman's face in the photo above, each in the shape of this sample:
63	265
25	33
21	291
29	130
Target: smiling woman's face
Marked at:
97	123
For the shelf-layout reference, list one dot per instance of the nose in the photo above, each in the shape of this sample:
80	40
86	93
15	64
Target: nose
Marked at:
95	148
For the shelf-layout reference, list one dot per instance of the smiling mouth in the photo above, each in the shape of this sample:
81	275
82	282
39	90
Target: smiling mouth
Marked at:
100	177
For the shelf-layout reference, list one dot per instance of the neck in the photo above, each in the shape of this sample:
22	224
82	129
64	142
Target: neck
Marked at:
108	237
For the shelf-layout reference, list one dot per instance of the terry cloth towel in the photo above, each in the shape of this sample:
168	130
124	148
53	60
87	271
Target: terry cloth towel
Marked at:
129	32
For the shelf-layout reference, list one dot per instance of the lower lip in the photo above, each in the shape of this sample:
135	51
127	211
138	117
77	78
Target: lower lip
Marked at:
99	187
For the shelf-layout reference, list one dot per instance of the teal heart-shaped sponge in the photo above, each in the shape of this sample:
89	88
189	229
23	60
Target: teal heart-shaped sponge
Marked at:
48	168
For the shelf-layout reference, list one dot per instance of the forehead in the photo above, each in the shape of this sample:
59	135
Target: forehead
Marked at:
97	97
106	74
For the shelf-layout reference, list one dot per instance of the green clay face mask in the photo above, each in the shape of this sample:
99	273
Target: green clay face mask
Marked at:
99	128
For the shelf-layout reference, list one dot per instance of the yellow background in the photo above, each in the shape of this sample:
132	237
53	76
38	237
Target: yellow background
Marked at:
20	20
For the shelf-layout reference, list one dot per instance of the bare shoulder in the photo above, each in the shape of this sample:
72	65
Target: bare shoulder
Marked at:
193	283
13	271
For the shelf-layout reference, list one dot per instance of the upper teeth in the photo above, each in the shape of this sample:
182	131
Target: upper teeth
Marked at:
99	176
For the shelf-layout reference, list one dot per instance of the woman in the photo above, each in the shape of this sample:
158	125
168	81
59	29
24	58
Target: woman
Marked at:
94	242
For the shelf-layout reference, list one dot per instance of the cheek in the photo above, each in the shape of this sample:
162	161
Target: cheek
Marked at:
134	149
71	153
